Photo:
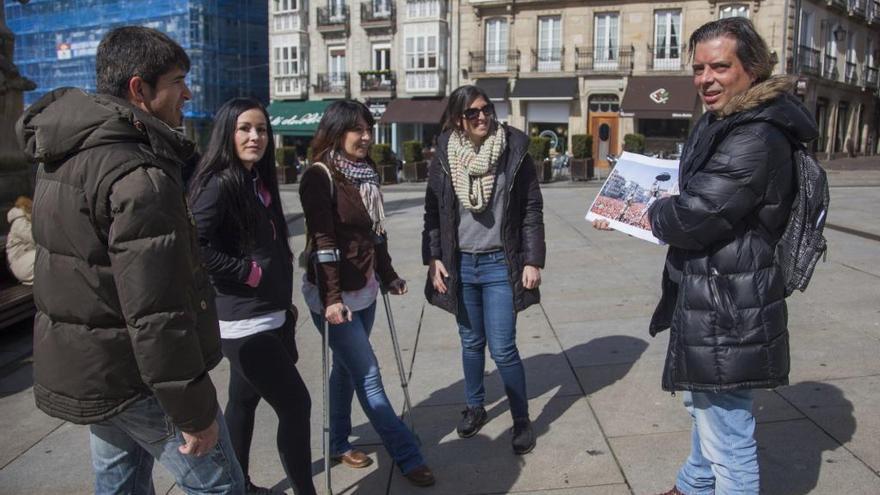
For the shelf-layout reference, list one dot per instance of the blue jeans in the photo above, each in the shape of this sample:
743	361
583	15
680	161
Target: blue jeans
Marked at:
724	454
486	313
355	369
124	446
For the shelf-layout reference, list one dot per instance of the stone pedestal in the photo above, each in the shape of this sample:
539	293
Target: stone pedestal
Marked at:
16	177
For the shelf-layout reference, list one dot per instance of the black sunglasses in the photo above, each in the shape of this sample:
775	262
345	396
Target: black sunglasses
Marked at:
472	113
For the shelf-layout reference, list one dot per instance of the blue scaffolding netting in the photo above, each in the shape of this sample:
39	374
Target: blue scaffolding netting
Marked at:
227	41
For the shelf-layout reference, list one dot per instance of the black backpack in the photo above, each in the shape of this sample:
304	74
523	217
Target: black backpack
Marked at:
802	243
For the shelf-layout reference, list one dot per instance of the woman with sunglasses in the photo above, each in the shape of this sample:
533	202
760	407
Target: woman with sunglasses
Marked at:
483	241
345	222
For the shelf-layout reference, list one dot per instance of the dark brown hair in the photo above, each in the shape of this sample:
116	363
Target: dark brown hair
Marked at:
459	101
751	49
130	51
340	117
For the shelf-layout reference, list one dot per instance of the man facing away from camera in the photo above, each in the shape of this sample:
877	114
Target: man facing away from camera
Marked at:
723	292
126	328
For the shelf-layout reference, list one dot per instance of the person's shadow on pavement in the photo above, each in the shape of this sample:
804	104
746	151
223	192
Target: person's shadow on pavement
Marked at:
790	452
486	463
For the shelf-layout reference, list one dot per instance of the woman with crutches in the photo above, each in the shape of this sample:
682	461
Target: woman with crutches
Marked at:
483	241
345	224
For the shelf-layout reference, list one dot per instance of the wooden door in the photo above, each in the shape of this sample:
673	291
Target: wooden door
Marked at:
604	129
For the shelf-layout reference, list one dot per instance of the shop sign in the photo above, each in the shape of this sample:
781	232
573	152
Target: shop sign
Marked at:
659	96
801	87
304	119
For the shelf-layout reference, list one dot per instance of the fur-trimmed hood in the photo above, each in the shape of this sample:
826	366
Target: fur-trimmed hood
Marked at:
758	94
772	101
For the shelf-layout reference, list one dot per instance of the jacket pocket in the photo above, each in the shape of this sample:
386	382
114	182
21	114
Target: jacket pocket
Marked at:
726	314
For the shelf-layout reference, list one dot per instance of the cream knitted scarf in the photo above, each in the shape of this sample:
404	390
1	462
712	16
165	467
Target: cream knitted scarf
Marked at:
473	172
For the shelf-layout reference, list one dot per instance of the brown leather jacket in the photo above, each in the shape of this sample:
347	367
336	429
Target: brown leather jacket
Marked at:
337	219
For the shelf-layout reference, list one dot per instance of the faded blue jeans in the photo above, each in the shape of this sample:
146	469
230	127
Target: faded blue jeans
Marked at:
355	369
486	314
724	453
124	447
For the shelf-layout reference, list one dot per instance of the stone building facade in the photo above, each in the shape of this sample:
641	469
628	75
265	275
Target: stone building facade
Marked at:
562	67
609	68
391	54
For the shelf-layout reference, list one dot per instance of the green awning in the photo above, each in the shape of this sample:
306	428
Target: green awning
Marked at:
296	118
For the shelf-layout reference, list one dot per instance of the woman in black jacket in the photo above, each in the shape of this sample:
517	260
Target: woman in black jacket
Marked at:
483	241
243	239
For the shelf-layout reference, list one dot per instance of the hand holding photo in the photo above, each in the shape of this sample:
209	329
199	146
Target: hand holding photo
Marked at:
632	187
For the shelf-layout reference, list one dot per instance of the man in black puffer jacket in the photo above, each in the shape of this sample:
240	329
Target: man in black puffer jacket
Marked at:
126	328
722	287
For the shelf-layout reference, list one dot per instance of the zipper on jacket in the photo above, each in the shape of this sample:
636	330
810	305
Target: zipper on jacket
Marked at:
504	222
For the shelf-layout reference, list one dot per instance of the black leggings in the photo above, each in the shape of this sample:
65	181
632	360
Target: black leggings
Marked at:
264	366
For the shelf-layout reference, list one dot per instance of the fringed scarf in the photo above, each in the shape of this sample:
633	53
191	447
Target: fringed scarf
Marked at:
366	179
473	171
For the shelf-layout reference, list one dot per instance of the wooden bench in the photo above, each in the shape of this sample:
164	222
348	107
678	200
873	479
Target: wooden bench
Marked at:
16	300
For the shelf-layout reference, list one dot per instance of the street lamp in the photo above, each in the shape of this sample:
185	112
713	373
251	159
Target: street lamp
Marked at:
839	33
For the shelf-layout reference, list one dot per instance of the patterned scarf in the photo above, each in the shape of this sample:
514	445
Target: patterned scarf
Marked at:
362	175
473	172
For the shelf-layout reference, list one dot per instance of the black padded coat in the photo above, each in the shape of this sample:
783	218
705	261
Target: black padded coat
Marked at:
522	230
722	287
124	307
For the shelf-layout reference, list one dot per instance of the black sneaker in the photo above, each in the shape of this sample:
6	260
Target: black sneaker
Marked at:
252	489
523	436
472	419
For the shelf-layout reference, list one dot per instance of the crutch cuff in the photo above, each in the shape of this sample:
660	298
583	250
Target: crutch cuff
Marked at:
327	255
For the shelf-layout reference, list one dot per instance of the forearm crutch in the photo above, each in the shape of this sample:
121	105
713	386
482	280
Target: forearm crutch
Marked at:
325	256
325	379
404	383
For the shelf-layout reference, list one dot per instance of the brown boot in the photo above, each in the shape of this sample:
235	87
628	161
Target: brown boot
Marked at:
354	458
420	476
674	491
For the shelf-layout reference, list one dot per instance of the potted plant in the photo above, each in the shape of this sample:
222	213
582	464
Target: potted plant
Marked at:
285	165
539	149
415	168
582	161
634	143
381	156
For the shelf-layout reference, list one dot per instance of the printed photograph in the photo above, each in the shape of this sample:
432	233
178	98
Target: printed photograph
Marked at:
632	187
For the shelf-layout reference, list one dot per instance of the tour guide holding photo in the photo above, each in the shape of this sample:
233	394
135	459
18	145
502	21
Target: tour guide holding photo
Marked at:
723	292
126	328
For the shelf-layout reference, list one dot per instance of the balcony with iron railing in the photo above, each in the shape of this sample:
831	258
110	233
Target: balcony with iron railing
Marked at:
871	77
829	68
333	19
378	81
498	61
603	60
857	8
872	13
840	4
548	59
378	14
809	60
662	59
851	73
333	83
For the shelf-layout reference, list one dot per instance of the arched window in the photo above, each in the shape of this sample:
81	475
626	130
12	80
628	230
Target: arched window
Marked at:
734	10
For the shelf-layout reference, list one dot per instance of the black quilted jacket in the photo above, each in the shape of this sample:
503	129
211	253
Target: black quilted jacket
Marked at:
523	222
722	288
124	307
